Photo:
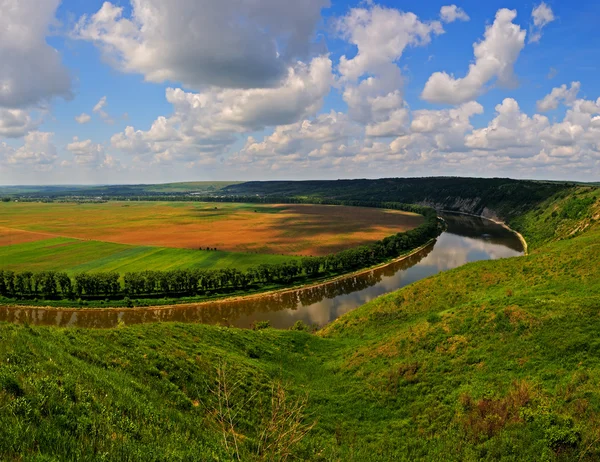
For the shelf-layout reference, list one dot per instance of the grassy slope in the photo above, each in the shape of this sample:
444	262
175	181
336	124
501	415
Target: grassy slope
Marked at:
494	360
75	256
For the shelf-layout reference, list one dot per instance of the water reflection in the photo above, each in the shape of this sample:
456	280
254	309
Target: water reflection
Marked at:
467	239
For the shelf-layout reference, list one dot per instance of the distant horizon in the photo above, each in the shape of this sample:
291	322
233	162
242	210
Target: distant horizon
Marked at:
290	180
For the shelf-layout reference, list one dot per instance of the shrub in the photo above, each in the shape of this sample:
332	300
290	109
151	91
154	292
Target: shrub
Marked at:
300	325
434	318
260	325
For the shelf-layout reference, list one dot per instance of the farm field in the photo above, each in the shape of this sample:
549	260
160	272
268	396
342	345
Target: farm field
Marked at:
75	256
138	236
251	228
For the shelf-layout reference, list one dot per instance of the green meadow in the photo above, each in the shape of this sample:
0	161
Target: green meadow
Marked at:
74	256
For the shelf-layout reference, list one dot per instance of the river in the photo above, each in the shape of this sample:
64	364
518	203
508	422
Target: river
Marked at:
467	239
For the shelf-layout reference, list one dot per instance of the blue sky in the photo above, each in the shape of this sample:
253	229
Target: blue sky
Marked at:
205	90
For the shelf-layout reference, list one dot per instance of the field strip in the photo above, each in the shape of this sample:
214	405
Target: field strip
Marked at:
41	233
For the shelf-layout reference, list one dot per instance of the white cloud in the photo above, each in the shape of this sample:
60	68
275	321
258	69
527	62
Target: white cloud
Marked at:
226	43
542	15
451	13
381	36
99	109
444	129
495	57
435	142
31	71
86	152
510	129
318	143
83	118
37	152
204	124
558	94
535	143
15	123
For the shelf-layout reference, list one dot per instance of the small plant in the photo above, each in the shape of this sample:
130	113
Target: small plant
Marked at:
434	318
128	302
260	325
300	325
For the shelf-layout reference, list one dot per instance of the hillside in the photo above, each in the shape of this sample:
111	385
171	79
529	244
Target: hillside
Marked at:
497	198
496	360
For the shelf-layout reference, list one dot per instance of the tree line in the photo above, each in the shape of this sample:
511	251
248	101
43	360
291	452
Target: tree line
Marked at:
196	281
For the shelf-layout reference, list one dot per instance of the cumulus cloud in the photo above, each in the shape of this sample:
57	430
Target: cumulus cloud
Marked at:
533	142
15	123
83	118
381	35
203	43
37	152
509	129
31	71
85	152
204	124
325	137
541	16
444	129
558	95
495	57
436	142
451	13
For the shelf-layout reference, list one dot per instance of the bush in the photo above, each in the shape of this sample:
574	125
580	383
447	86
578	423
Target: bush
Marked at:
260	325
300	325
434	318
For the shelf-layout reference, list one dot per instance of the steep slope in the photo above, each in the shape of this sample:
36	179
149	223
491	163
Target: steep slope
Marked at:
497	198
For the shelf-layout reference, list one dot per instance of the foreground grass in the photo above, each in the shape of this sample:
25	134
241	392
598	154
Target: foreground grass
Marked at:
496	360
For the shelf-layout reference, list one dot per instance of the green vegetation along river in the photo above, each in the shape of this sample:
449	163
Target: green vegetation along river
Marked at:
467	239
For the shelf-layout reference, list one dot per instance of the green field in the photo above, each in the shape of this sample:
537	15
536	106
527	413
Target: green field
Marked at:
75	256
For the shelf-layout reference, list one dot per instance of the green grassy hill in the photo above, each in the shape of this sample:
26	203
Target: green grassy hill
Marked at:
496	360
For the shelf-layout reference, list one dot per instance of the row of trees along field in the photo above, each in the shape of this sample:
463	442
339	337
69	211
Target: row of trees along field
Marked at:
189	282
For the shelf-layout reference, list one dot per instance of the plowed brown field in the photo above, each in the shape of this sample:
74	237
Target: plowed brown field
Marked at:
10	236
279	229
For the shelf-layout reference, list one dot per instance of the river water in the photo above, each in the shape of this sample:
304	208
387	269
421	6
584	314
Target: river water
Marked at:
467	239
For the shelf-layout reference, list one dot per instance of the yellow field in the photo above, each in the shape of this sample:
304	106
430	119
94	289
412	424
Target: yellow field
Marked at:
266	229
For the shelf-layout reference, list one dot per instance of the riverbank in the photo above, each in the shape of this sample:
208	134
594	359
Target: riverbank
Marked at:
498	222
225	299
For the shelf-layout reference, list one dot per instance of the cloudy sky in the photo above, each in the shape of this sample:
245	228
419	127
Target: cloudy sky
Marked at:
144	91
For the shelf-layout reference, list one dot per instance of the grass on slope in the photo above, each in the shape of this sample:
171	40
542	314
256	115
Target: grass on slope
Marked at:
496	360
75	256
563	215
